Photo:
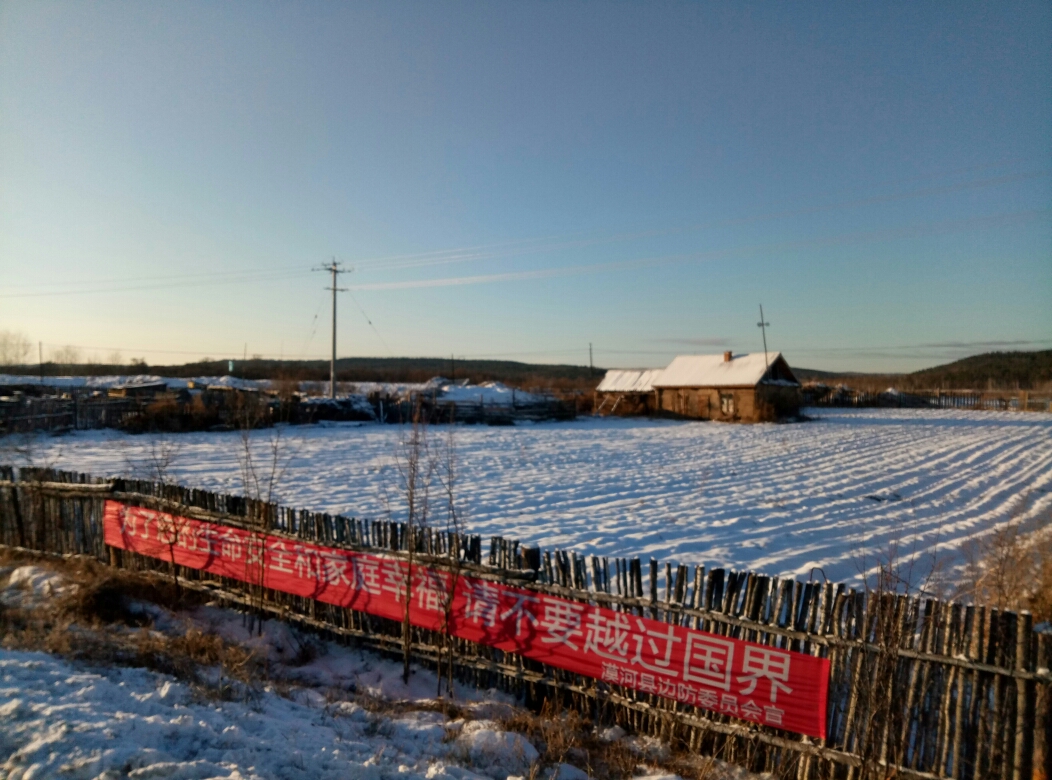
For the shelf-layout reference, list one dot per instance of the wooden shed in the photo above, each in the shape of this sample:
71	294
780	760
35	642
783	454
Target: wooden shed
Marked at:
626	392
733	388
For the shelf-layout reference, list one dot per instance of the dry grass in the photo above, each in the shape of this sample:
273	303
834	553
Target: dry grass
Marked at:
567	736
1011	568
96	621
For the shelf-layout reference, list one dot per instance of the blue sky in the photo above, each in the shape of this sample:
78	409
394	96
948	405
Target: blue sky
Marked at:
522	179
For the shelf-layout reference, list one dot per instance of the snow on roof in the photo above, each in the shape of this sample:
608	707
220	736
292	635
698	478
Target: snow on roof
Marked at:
490	393
136	380
714	371
628	380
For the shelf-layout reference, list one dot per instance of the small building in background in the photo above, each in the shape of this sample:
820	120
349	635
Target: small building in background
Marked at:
627	392
728	387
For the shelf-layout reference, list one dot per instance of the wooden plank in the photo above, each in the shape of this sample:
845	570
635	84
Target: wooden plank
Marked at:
1023	753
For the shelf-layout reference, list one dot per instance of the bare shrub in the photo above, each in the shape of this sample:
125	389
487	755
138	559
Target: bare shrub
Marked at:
1010	568
80	625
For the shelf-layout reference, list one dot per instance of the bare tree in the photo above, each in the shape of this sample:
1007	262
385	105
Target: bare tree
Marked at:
416	470
262	460
155	459
14	348
66	356
156	462
448	480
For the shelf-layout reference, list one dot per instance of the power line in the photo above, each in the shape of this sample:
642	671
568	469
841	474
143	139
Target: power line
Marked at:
202	275
529	246
389	352
161	283
915	230
512	248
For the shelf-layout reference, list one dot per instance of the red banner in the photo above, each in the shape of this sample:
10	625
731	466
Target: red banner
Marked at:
762	684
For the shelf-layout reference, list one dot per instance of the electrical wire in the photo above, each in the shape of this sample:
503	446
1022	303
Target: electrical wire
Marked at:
389	352
910	231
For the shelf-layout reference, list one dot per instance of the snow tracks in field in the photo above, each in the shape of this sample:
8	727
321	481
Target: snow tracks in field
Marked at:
833	493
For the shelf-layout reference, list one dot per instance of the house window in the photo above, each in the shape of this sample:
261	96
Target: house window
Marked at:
726	404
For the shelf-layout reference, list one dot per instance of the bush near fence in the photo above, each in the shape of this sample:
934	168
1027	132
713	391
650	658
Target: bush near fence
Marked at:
919	687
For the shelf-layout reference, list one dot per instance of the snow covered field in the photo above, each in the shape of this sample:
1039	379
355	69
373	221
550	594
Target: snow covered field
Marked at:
780	499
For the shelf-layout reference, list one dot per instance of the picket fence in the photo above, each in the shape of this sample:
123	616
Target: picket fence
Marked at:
919	688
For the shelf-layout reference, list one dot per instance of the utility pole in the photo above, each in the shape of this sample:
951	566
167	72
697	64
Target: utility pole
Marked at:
334	269
591	365
764	325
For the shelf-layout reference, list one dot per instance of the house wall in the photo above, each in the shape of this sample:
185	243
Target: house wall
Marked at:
779	402
630	405
729	404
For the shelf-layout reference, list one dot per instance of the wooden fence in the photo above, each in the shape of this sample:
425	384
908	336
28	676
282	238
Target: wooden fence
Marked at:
23	414
1007	401
919	688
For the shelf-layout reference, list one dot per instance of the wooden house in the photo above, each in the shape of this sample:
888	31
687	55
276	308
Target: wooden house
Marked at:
742	388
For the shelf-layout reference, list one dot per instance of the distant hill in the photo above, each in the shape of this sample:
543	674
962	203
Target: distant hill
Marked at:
524	375
1002	369
992	370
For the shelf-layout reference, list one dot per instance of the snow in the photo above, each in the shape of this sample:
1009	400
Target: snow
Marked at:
821	497
59	719
29	586
387	389
714	371
488	393
628	381
448	391
63	719
98	720
484	743
126	380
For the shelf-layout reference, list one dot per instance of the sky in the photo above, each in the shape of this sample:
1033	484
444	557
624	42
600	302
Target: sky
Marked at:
522	180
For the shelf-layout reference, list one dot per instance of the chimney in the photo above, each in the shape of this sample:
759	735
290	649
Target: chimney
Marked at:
727	357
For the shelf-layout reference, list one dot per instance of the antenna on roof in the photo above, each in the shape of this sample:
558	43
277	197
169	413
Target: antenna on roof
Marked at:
764	325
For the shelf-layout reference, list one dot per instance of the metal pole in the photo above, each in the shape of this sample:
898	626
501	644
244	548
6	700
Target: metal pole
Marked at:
763	327
335	270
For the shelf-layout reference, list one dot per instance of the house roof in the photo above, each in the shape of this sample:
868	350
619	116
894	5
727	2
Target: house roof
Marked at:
628	380
714	371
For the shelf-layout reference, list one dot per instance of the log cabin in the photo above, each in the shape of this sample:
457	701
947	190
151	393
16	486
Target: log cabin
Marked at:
728	387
